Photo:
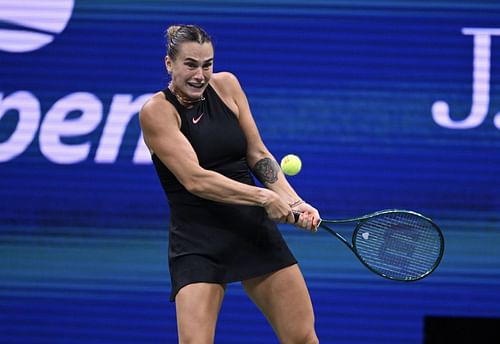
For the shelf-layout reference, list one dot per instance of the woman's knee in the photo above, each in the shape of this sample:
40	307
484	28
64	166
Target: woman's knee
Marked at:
306	336
300	333
311	338
197	308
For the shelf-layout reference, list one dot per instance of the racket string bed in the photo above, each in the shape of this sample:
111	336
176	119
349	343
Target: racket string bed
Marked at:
399	246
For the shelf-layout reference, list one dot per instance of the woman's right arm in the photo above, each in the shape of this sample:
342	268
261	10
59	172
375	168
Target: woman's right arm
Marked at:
160	124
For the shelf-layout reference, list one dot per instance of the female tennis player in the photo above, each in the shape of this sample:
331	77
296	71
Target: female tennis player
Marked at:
204	143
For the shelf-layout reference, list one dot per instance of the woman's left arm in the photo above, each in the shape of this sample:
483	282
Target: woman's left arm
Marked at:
261	161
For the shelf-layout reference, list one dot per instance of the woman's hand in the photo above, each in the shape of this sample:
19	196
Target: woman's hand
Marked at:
309	216
277	209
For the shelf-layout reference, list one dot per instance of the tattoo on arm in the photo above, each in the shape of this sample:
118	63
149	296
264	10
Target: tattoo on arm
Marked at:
266	170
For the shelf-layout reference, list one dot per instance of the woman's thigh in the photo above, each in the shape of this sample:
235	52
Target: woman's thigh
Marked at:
284	299
197	308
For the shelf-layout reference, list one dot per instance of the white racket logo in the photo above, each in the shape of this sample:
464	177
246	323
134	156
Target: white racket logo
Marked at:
365	235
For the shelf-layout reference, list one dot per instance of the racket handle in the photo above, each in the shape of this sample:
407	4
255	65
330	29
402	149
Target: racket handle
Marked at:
296	216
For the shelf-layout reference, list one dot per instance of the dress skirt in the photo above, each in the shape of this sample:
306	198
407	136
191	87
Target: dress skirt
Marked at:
222	243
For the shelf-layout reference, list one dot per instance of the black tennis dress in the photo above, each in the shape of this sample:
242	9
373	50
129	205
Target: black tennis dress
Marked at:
211	241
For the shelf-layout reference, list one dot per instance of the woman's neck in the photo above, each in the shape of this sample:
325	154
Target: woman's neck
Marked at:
185	101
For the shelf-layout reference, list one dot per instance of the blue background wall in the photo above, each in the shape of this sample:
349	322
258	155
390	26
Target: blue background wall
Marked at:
348	85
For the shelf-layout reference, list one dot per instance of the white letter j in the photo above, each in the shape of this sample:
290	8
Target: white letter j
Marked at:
480	85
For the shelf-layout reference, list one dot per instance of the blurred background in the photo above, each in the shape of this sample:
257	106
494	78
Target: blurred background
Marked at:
390	104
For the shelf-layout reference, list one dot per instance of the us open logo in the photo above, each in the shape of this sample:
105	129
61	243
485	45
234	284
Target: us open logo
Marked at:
29	25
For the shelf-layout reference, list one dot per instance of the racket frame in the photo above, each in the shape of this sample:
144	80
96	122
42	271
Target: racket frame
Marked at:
360	220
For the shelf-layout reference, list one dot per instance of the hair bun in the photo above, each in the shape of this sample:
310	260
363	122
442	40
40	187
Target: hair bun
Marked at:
172	30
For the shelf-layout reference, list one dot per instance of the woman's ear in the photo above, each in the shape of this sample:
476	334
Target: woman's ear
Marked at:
168	64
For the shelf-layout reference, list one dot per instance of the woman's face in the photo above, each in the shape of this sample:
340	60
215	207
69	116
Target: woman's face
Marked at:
192	69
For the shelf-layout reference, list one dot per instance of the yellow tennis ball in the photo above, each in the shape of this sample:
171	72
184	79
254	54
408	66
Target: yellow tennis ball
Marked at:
291	164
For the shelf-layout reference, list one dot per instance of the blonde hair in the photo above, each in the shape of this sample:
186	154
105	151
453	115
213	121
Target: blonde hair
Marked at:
178	34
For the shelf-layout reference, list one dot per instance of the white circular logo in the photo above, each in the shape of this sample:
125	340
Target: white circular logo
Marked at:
32	24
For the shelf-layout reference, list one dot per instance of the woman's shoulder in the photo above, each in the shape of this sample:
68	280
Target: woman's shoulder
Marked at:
224	77
152	103
157	103
226	84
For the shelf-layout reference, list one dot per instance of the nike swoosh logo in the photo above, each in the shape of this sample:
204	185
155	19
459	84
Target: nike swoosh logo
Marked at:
197	119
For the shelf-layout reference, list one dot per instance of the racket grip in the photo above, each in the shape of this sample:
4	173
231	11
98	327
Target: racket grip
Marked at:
296	215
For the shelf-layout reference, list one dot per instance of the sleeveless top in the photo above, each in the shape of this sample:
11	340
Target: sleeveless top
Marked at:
217	138
212	241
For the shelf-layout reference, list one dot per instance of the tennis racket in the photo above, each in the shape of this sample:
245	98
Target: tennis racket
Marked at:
400	245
